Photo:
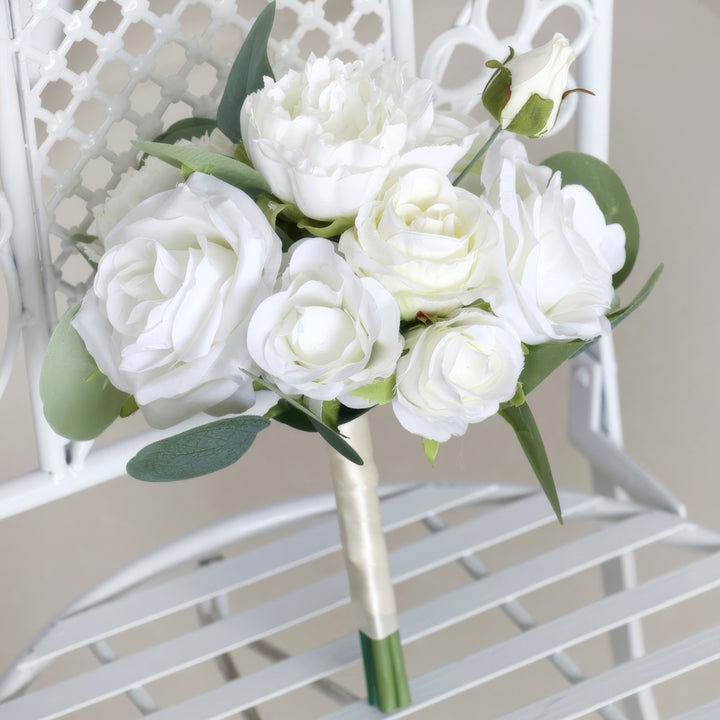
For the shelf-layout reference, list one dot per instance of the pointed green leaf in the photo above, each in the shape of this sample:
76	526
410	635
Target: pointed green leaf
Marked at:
89	246
325	228
199	451
78	400
541	360
523	423
609	193
532	118
129	407
220	166
187	129
332	437
431	448
246	75
380	392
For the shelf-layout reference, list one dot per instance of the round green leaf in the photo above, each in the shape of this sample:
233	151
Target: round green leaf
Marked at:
609	193
78	400
199	451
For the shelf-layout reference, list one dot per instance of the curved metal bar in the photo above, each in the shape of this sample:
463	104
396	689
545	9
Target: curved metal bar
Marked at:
14	298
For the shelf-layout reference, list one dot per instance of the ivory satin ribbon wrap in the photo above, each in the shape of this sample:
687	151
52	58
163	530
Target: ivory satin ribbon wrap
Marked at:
362	536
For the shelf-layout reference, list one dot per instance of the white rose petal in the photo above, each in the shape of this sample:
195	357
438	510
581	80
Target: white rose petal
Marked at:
326	332
457	371
166	319
560	253
328	137
435	247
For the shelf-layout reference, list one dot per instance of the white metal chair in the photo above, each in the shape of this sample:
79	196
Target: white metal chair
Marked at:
77	84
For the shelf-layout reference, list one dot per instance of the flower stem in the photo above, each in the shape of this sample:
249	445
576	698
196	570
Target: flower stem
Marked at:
385	676
478	155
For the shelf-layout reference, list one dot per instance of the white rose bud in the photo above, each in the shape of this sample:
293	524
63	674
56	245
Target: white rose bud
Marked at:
456	372
326	332
435	247
166	319
524	94
327	138
561	254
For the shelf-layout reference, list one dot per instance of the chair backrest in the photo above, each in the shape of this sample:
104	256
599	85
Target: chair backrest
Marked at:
79	81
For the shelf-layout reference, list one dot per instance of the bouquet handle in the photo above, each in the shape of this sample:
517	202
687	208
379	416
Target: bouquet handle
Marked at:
368	569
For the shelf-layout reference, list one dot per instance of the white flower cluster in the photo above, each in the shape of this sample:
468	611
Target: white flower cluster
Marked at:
432	285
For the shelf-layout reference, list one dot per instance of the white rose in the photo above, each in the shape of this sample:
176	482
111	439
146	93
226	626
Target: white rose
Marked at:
328	137
326	332
435	247
525	94
166	319
456	371
154	176
561	255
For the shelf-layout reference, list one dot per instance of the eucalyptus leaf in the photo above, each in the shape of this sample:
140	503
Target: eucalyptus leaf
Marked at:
521	420
246	75
220	166
331	436
199	451
78	400
187	129
609	193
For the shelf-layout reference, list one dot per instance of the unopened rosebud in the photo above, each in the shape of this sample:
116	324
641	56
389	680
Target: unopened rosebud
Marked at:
525	92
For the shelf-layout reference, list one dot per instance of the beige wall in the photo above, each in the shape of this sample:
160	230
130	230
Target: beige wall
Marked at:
665	146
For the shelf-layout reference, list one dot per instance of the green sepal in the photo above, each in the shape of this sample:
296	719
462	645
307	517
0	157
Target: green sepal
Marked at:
380	392
241	154
89	246
496	94
330	435
187	129
129	407
247	74
542	360
521	420
325	228
519	397
198	451
531	120
78	400
431	448
220	166
610	194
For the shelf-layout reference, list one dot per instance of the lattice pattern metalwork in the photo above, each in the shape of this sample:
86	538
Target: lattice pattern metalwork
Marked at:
98	77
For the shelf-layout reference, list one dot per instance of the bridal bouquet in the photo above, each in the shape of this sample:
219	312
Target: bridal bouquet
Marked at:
328	243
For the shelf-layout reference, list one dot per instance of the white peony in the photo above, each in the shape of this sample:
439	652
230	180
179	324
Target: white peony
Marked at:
166	319
328	137
457	371
326	332
152	177
560	253
435	247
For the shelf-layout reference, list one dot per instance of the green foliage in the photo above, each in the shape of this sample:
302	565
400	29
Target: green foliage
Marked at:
609	193
541	360
246	75
199	451
187	129
380	392
220	166
521	420
89	247
78	400
431	448
328	433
